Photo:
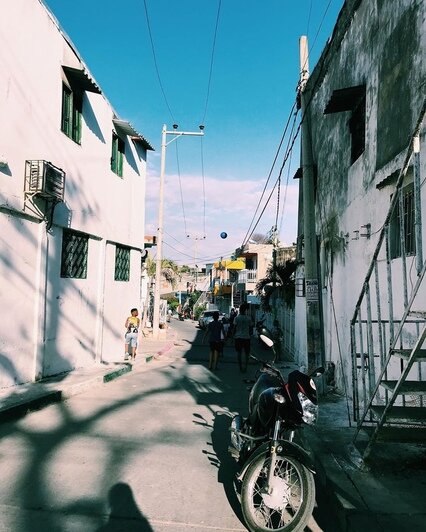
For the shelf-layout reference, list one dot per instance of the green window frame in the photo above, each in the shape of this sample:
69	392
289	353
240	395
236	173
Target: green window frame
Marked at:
72	108
74	256
122	263
117	154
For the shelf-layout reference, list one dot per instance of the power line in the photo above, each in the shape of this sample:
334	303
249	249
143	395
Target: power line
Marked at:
270	173
204	187
155	62
180	186
318	30
309	18
211	61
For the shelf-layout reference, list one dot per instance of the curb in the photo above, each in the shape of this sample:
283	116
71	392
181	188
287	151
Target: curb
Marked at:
336	487
45	397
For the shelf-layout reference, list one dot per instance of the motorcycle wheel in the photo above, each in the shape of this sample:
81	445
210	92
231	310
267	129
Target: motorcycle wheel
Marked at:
288	507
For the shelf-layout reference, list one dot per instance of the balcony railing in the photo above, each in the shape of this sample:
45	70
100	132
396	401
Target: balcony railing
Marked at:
247	276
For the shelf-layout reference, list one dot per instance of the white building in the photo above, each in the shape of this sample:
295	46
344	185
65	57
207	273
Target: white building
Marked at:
72	195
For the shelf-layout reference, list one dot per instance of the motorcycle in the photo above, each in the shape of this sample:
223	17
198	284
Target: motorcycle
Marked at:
276	475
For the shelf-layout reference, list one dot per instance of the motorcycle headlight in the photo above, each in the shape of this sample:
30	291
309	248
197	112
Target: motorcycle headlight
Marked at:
309	409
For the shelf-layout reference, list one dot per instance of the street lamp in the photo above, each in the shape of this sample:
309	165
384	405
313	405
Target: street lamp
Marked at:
176	134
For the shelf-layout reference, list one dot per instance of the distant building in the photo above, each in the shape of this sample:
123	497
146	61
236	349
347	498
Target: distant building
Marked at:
72	195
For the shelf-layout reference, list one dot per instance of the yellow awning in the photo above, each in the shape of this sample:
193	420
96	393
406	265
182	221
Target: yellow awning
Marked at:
238	264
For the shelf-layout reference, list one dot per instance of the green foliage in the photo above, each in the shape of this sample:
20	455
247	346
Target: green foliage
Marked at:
198	310
193	298
283	275
172	301
169	270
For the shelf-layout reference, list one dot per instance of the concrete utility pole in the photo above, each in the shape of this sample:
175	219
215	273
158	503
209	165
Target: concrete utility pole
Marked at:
176	134
315	352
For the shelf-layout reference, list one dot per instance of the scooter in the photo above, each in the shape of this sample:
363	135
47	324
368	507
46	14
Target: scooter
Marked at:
275	477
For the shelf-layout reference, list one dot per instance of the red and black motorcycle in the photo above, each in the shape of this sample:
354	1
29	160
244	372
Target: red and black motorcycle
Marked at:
276	474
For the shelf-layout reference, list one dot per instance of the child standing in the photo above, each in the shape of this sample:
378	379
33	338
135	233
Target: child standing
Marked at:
131	336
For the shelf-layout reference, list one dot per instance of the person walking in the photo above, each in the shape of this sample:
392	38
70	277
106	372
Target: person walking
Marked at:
232	316
242	333
216	336
131	337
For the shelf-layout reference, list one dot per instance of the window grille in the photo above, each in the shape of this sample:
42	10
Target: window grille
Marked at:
75	249
409	236
122	264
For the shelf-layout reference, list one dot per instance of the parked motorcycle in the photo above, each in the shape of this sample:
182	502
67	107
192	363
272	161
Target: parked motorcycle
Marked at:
276	475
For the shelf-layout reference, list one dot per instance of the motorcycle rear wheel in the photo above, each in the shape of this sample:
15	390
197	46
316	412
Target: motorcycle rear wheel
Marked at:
291	503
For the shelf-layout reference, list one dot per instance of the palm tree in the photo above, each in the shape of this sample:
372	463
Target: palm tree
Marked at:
169	270
283	278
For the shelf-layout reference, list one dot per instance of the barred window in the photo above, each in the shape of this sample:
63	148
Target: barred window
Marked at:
75	247
395	223
122	263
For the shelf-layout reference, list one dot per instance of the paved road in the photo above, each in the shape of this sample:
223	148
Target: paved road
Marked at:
150	445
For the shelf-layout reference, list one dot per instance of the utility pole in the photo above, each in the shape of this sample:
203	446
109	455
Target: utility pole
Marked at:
315	354
176	134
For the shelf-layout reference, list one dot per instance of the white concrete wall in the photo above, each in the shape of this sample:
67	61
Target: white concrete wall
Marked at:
54	324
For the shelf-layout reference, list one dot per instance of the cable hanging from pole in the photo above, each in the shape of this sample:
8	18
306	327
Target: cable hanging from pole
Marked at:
156	64
204	188
270	173
211	62
180	186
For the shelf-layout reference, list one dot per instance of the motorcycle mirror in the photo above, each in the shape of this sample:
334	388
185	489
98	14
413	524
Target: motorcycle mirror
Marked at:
266	340
317	372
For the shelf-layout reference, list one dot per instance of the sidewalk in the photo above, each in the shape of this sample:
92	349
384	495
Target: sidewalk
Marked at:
18	400
388	494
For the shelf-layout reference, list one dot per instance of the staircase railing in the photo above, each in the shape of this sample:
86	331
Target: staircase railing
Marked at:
376	335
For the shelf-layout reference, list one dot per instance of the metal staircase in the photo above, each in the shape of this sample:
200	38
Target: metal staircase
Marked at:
388	327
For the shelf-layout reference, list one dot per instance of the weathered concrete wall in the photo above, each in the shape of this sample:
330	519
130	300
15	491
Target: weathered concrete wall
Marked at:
379	43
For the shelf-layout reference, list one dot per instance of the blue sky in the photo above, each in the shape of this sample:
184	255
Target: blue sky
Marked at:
253	87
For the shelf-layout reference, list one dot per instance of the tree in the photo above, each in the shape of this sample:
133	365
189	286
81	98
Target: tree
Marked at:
169	270
283	275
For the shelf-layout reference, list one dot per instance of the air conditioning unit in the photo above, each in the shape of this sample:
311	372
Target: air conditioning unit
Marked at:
44	180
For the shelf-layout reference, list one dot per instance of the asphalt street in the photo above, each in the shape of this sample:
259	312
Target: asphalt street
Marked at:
147	452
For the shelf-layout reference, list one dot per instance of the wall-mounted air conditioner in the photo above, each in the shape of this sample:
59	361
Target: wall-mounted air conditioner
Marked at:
44	180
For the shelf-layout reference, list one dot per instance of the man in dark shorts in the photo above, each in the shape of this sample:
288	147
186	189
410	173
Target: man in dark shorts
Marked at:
216	334
242	325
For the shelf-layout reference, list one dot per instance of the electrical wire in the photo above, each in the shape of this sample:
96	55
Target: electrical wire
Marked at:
206	258
180	185
308	104
270	173
309	18
285	193
155	62
287	155
279	177
211	61
204	187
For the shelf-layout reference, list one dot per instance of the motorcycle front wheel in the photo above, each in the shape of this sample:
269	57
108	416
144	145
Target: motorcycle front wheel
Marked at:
288	506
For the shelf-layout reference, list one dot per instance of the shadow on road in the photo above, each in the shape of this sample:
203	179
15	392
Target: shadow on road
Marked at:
125	514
